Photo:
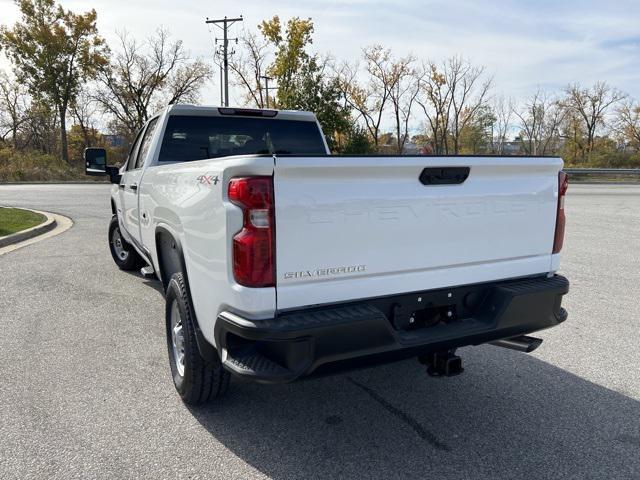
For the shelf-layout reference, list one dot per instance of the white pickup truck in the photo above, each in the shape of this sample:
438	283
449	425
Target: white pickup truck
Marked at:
279	260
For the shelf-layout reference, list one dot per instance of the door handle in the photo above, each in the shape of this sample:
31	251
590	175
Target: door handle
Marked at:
444	175
133	186
121	186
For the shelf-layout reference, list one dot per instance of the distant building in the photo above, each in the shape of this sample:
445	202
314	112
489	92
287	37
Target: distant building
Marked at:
512	148
114	140
412	148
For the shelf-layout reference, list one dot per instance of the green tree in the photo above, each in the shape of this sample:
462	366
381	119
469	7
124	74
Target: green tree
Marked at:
476	136
54	51
357	142
290	50
313	91
302	80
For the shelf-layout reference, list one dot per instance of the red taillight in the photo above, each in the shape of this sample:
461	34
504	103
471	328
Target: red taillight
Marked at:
563	184
254	245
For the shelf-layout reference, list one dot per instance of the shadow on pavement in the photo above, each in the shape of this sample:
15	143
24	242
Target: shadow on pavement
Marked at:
508	416
153	283
149	282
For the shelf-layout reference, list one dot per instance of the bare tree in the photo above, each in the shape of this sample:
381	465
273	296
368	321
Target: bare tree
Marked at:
250	66
540	119
503	112
436	105
143	77
40	130
185	83
406	86
590	105
13	107
628	122
370	101
84	110
469	92
453	94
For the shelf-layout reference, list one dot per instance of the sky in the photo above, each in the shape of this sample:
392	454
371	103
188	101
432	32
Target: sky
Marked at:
523	44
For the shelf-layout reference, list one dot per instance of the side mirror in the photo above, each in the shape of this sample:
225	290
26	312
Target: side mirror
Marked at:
95	161
95	164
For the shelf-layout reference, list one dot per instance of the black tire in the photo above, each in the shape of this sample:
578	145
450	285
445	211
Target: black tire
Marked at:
124	254
200	380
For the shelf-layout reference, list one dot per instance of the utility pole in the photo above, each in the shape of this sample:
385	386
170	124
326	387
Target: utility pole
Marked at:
266	79
224	24
221	86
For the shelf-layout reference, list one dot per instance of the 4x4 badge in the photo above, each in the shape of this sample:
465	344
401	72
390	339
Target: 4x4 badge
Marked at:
208	179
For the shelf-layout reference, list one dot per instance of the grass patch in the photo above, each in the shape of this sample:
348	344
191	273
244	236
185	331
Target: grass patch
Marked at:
13	220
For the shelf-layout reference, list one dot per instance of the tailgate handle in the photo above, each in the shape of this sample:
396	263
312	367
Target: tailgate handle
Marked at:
444	175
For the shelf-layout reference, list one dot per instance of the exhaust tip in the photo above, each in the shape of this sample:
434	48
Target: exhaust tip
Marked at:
522	343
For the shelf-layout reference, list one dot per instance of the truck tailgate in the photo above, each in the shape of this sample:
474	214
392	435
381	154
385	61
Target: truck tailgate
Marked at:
360	227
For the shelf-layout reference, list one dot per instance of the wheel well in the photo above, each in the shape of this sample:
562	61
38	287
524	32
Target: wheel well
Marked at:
169	256
113	207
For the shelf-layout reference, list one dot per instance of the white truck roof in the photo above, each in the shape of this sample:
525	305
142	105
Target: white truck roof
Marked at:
214	111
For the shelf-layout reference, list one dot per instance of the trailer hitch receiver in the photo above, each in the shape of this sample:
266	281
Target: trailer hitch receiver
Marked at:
442	364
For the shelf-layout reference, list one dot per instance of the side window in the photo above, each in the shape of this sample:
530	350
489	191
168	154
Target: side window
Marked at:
133	153
146	143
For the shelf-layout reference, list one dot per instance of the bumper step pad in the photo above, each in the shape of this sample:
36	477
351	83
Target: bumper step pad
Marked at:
250	362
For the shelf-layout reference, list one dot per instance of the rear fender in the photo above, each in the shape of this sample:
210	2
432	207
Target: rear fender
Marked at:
171	260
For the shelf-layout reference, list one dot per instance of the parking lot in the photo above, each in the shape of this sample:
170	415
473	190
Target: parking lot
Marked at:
86	390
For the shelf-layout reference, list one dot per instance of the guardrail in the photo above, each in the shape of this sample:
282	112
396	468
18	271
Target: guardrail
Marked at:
625	172
604	175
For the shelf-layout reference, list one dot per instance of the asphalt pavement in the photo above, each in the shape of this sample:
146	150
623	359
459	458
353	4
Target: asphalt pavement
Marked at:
85	389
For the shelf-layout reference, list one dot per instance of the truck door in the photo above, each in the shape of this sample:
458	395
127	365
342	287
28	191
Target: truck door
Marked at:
125	185
131	181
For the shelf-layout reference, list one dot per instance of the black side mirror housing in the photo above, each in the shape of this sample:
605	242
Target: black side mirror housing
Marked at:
95	164
95	161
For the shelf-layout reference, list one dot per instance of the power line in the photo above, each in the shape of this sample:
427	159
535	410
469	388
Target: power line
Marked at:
224	24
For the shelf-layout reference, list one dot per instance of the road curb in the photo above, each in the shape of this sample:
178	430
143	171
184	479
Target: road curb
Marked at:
46	226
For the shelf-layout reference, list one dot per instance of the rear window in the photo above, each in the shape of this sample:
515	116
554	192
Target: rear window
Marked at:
190	138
